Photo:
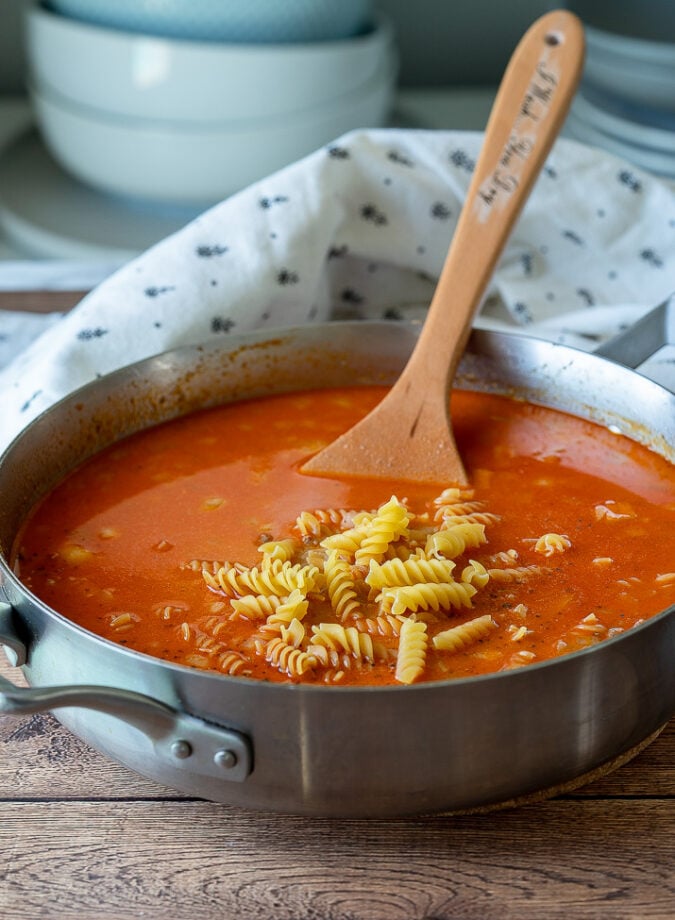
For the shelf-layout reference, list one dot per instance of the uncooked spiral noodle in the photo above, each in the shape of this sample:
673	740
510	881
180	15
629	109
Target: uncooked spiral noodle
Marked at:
458	637
397	572
426	597
412	651
279	578
293	661
341	587
455	540
389	524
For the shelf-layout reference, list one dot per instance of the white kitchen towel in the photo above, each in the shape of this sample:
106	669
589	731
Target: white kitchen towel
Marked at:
361	229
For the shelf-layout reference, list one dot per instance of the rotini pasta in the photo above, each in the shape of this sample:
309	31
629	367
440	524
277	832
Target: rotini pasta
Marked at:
255	606
412	571
279	549
293	661
277	578
346	542
551	543
201	565
385	625
389	524
455	500
408	572
473	517
322	520
475	574
341	586
504	558
357	644
514	574
332	658
458	637
233	663
294	607
412	651
455	540
294	633
428	596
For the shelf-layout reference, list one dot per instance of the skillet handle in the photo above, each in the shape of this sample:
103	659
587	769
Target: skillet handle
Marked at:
644	338
178	739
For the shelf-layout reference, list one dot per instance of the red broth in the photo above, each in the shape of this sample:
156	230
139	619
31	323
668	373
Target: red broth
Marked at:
120	545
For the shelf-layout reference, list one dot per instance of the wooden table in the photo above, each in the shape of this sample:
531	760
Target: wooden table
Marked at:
83	838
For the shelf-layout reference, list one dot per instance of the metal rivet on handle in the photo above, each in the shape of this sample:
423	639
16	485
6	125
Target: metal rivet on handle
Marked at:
181	749
225	759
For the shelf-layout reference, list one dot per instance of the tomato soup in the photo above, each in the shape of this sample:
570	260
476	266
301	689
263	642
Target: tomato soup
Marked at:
200	542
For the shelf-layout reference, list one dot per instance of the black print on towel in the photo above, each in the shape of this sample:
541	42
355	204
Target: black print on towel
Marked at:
586	296
462	160
285	276
338	153
222	324
85	335
337	252
630	180
156	291
208	252
573	237
397	157
440	211
651	258
267	203
522	312
372	214
349	295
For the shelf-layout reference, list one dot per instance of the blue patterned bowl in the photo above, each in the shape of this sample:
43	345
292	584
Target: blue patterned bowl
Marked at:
268	21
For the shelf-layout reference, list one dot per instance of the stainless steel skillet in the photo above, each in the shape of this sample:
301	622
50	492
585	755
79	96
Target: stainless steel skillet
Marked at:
448	746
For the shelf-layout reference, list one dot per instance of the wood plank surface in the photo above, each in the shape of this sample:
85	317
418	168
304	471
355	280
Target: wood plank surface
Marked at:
40	301
84	838
194	860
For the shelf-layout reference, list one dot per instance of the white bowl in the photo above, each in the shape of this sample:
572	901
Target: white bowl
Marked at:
196	165
127	74
226	20
636	70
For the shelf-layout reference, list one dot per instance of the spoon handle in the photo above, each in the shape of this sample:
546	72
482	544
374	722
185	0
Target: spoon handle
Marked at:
527	115
408	436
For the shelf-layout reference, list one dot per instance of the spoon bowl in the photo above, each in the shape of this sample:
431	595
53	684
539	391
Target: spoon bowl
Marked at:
409	436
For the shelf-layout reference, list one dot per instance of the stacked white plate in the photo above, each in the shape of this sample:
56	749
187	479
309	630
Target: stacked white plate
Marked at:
602	123
626	103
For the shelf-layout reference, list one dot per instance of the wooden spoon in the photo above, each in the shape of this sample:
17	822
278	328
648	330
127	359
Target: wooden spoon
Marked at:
408	436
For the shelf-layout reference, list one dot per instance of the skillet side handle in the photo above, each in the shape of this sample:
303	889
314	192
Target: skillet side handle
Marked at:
14	647
644	338
180	741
